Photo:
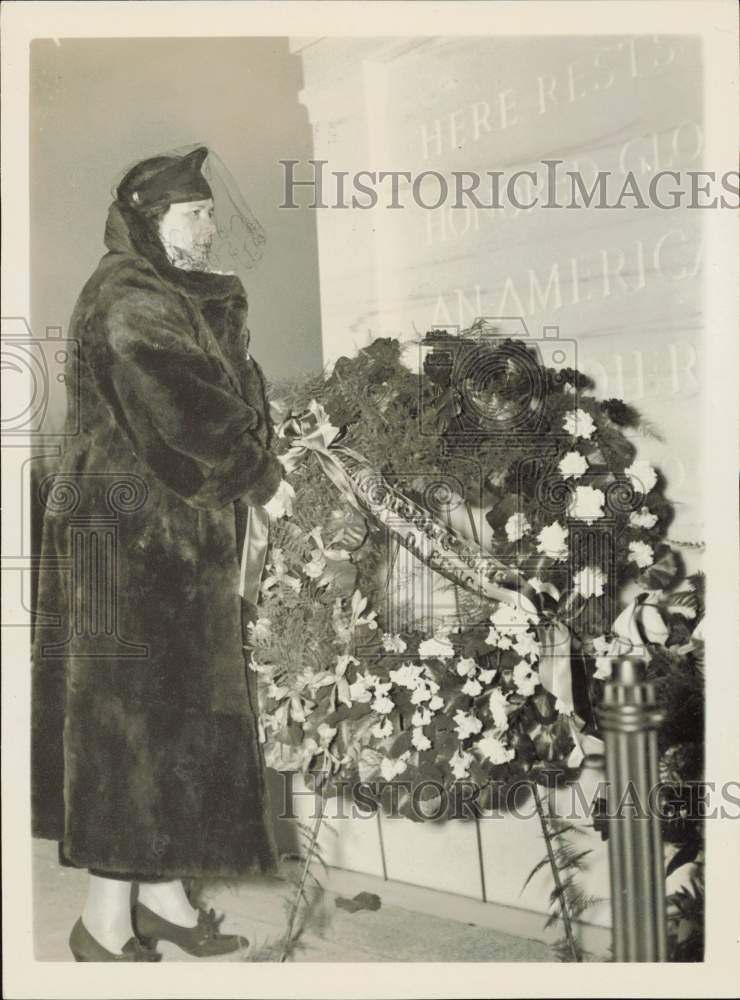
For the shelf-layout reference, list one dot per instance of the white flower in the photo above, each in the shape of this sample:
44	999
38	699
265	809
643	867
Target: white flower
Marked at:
408	675
436	703
277	573
602	648
640	553
587	504
381	730
276	691
393	643
486	676
343	662
261	630
466	666
419	740
510	618
497	705
553	541
298	710
390	768
525	678
360	690
421	717
643	518
467	724
471	687
643	476
316	565
438	646
516	526
493	749
495	638
420	694
601	645
572	465
579	424
326	734
380	688
526	644
603	668
460	763
382	705
590	581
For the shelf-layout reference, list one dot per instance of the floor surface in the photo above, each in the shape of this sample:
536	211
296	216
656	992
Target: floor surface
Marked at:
256	909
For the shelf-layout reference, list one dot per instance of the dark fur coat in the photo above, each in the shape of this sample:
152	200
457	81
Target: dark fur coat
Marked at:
145	751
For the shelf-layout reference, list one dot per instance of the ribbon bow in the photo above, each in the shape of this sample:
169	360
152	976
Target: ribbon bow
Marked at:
312	431
554	610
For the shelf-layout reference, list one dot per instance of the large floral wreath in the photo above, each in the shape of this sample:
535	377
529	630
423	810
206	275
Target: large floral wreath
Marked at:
571	510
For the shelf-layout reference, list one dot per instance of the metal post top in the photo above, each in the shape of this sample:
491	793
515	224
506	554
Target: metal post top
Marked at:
628	672
629	700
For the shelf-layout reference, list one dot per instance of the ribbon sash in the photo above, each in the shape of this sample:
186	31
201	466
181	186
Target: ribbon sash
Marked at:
254	553
434	544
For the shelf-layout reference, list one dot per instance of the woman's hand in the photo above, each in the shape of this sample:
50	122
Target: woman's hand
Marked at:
281	503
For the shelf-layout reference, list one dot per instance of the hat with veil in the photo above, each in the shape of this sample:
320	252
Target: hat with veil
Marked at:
195	173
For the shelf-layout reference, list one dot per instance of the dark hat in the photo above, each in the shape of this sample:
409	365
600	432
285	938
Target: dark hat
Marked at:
165	180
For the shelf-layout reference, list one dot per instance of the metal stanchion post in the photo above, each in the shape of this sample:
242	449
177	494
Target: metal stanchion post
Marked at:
629	719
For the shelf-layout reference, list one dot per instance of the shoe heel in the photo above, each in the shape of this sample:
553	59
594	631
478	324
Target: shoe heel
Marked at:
148	942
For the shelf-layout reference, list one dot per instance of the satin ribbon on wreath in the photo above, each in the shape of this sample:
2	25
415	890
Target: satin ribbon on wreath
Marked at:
254	553
312	432
555	611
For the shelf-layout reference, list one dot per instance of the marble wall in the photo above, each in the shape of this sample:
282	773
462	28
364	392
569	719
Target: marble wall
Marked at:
624	286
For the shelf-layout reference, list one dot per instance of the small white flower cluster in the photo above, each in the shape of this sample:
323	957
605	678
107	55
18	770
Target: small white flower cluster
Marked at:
260	631
579	424
393	643
643	518
511	629
552	541
475	676
438	646
391	767
587	504
641	553
424	694
516	527
643	476
590	581
573	465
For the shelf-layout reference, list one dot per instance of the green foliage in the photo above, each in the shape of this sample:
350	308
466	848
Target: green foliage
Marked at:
457	420
568	902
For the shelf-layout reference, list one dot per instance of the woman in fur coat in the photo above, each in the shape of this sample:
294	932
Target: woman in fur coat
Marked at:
146	761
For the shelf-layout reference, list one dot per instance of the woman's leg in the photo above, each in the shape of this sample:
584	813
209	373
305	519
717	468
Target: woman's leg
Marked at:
168	900
107	912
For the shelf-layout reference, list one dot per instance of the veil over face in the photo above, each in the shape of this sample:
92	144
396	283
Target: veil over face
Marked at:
194	173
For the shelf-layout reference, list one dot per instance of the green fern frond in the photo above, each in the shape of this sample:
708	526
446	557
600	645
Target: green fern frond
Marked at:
542	863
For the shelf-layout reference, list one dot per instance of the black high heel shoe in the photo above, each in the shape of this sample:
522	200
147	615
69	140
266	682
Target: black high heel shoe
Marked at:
204	940
86	948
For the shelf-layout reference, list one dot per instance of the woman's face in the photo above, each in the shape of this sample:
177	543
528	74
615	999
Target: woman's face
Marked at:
187	230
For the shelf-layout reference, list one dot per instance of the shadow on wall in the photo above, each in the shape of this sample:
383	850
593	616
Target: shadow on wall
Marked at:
99	105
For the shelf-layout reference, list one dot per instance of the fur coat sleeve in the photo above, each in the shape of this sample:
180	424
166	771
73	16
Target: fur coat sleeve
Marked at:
176	397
